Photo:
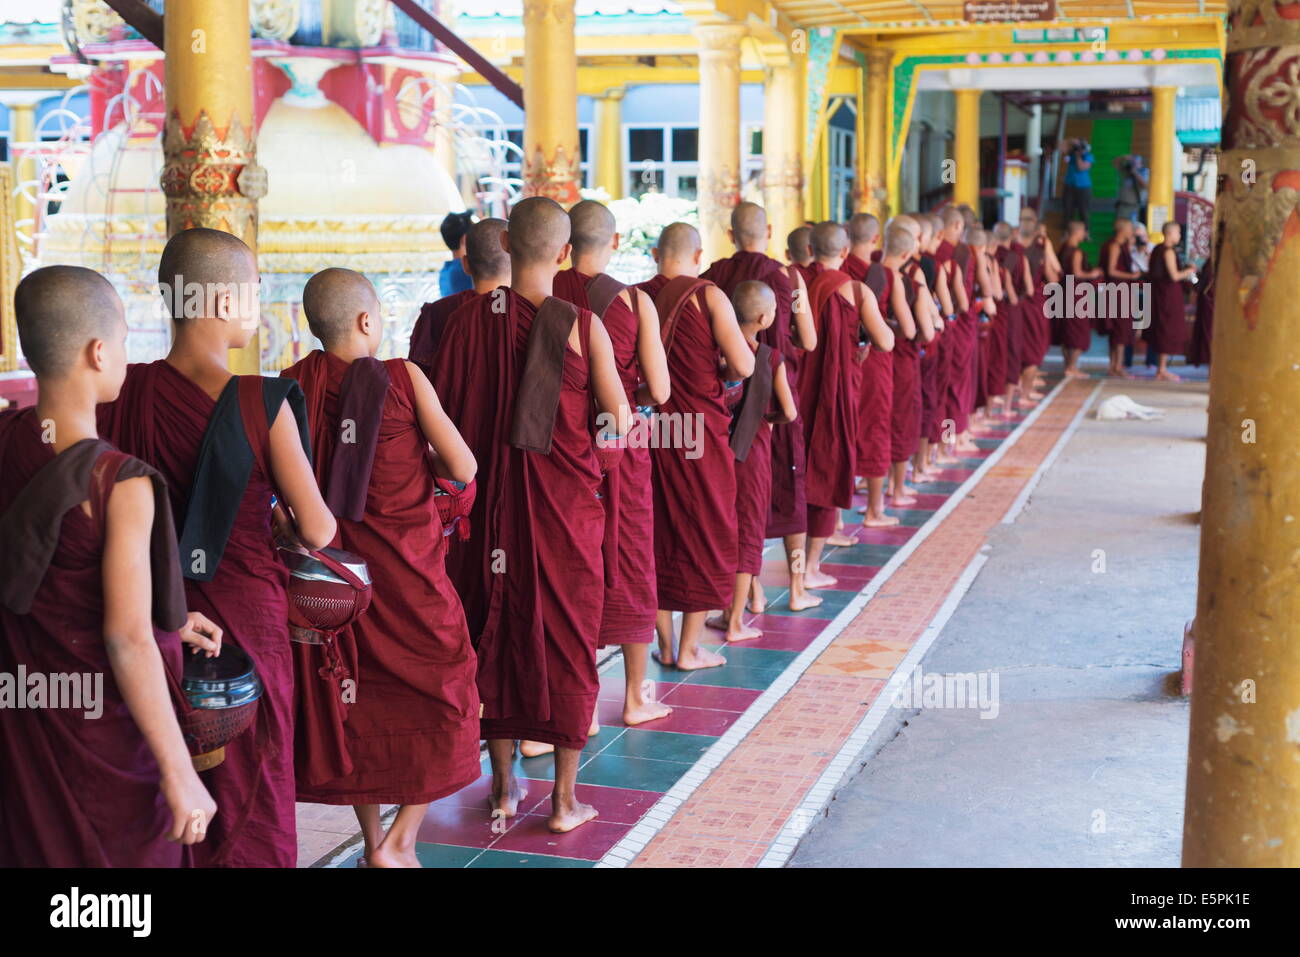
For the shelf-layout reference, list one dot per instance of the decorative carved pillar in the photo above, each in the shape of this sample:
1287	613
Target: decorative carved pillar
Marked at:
609	142
873	122
719	181
783	124
1160	196
551	152
1243	769
967	149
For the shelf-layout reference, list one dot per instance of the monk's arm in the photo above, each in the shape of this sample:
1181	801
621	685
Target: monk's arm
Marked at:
312	520
1051	264
726	333
1094	273
1010	287
878	331
454	458
136	661
611	401
945	294
805	329
959	288
1171	266
898	306
1028	275
925	314
650	355
784	397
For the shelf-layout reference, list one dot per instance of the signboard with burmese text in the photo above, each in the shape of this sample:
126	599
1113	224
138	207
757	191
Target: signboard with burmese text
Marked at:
1008	11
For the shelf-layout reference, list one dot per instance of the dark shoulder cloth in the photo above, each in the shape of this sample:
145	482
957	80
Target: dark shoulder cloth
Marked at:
538	398
30	526
752	413
601	293
362	395
225	463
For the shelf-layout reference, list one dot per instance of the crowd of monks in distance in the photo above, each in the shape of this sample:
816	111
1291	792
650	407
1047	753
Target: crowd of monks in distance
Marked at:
145	510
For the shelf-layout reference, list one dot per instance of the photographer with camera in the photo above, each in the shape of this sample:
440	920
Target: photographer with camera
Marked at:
1078	179
1133	178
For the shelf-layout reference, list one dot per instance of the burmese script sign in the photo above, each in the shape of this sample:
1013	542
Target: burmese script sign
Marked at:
1008	11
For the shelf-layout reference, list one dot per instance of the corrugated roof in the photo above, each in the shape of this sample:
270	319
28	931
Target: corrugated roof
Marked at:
586	8
1197	113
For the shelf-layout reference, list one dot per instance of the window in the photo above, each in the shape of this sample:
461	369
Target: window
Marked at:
840	149
662	158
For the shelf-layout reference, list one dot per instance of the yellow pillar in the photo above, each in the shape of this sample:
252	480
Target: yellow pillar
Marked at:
22	127
719	178
210	174
1243	767
783	125
11	267
609	143
873	135
1160	186
551	149
967	149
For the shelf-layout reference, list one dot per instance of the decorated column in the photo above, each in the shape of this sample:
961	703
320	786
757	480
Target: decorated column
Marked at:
609	142
783	124
22	129
210	174
967	149
1243	768
873	122
551	152
719	150
1160	185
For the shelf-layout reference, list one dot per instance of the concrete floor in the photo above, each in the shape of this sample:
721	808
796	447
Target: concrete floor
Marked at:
1084	764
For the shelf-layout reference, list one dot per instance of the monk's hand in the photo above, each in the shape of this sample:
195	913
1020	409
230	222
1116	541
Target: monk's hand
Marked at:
203	633
286	535
191	805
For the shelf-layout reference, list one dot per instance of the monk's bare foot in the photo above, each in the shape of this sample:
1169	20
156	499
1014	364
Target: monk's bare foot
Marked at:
1039	382
757	601
924	476
505	798
387	857
702	658
743	632
902	501
841	540
535	749
819	579
566	819
804	602
967	445
647	709
717	622
1168	377
879	521
595	727
665	660
1119	374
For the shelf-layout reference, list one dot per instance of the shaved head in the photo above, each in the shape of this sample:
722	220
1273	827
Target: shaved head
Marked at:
749	225
753	300
903	221
593	227
485	257
538	231
333	299
829	239
952	216
863	228
60	311
1002	231
678	241
799	243
899	241
209	257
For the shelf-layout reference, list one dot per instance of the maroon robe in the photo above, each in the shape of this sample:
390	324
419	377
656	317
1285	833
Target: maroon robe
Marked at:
694	498
75	791
829	386
962	382
630	599
1040	334
426	334
955	354
1167	334
1198	350
161	416
412	733
1118	327
931	367
855	267
754	492
1014	313
876	397
788	515
532	568
1076	330
905	413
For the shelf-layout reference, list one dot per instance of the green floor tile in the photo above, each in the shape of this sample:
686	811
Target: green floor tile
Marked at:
768	659
661	746
519	859
874	555
617	771
445	855
912	517
733	676
938	488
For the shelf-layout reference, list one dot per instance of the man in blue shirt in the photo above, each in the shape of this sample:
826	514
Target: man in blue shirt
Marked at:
1078	180
453	278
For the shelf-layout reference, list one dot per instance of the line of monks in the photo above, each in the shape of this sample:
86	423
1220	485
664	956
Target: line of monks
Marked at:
143	508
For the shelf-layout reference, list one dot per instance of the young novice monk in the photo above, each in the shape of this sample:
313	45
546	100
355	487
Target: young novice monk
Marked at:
488	266
902	239
182	415
630	319
1076	324
412	732
522	386
751	440
88	565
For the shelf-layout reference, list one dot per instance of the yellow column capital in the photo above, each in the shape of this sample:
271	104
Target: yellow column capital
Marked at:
550	101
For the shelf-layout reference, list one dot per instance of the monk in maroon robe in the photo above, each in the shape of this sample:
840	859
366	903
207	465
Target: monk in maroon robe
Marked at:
1198	350
1076	322
902	240
1168	307
956	356
412	732
829	384
791	334
629	317
864	245
182	415
96	770
798	249
694	467
487	264
1117	315
519	386
1044	268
